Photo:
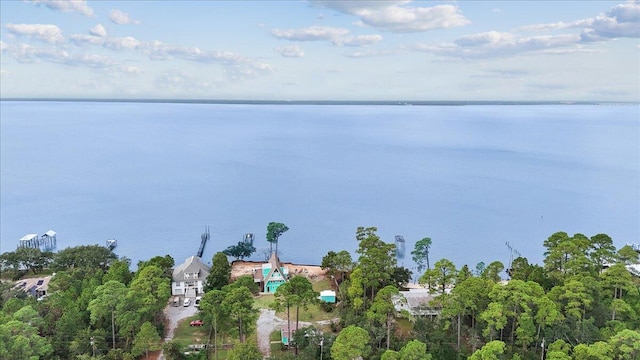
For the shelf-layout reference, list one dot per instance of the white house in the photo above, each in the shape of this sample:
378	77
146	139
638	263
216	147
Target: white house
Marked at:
417	302
188	278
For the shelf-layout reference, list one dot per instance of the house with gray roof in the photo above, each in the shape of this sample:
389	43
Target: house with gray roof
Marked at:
189	278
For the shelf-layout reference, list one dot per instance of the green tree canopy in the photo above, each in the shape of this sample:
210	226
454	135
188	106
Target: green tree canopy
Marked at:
220	272
274	231
351	343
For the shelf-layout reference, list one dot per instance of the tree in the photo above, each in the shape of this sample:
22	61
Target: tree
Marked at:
240	251
220	272
238	303
211	308
597	351
602	251
244	281
172	351
274	231
626	344
102	307
284	298
559	350
119	271
146	340
351	343
383	310
420	254
492	272
628	255
377	259
490	351
84	256
244	351
414	350
149	292
441	276
20	340
33	258
304	294
165	263
339	263
618	280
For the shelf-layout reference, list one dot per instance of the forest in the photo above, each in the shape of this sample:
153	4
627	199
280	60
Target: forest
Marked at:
582	302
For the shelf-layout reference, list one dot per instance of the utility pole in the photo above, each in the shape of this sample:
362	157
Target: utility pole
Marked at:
93	347
113	329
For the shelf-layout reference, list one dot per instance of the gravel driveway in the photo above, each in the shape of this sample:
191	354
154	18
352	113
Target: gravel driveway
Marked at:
267	323
174	314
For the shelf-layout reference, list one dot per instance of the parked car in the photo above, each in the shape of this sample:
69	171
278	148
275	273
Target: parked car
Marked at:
197	302
186	302
196	323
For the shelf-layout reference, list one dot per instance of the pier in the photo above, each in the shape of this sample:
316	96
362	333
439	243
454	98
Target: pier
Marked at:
46	242
203	242
111	244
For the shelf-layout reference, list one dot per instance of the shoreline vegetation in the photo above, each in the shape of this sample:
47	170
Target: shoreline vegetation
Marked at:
582	302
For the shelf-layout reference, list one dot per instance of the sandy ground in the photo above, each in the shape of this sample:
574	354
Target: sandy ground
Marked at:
240	267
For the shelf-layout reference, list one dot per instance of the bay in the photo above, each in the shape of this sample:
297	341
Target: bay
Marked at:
154	175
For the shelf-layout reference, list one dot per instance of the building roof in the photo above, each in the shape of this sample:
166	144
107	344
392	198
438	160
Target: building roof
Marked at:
416	302
275	266
192	264
29	237
50	233
33	285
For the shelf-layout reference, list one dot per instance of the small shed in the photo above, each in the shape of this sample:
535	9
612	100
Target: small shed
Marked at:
284	335
328	296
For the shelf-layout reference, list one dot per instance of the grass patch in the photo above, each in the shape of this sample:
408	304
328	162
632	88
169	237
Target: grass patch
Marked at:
186	335
313	313
322	284
263	301
275	336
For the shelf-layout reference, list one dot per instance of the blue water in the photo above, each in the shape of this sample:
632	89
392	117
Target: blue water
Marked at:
470	177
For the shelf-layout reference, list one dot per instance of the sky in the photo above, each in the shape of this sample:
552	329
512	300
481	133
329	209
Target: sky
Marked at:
321	50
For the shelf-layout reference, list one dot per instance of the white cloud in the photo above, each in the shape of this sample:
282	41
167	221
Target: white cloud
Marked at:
98	30
122	43
313	33
45	32
394	16
81	39
79	6
620	21
290	51
360	40
497	44
120	17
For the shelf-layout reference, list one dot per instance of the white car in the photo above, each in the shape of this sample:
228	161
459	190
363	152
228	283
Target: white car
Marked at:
197	302
186	302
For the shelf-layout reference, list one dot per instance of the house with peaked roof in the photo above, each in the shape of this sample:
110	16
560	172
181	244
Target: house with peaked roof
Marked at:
271	275
36	287
189	278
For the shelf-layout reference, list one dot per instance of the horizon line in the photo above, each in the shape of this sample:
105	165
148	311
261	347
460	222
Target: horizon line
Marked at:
323	102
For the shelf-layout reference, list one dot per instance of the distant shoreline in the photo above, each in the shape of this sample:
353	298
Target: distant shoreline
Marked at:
325	102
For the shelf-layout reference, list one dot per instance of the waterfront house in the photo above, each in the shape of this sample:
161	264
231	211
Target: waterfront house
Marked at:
271	275
36	287
189	278
416	302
